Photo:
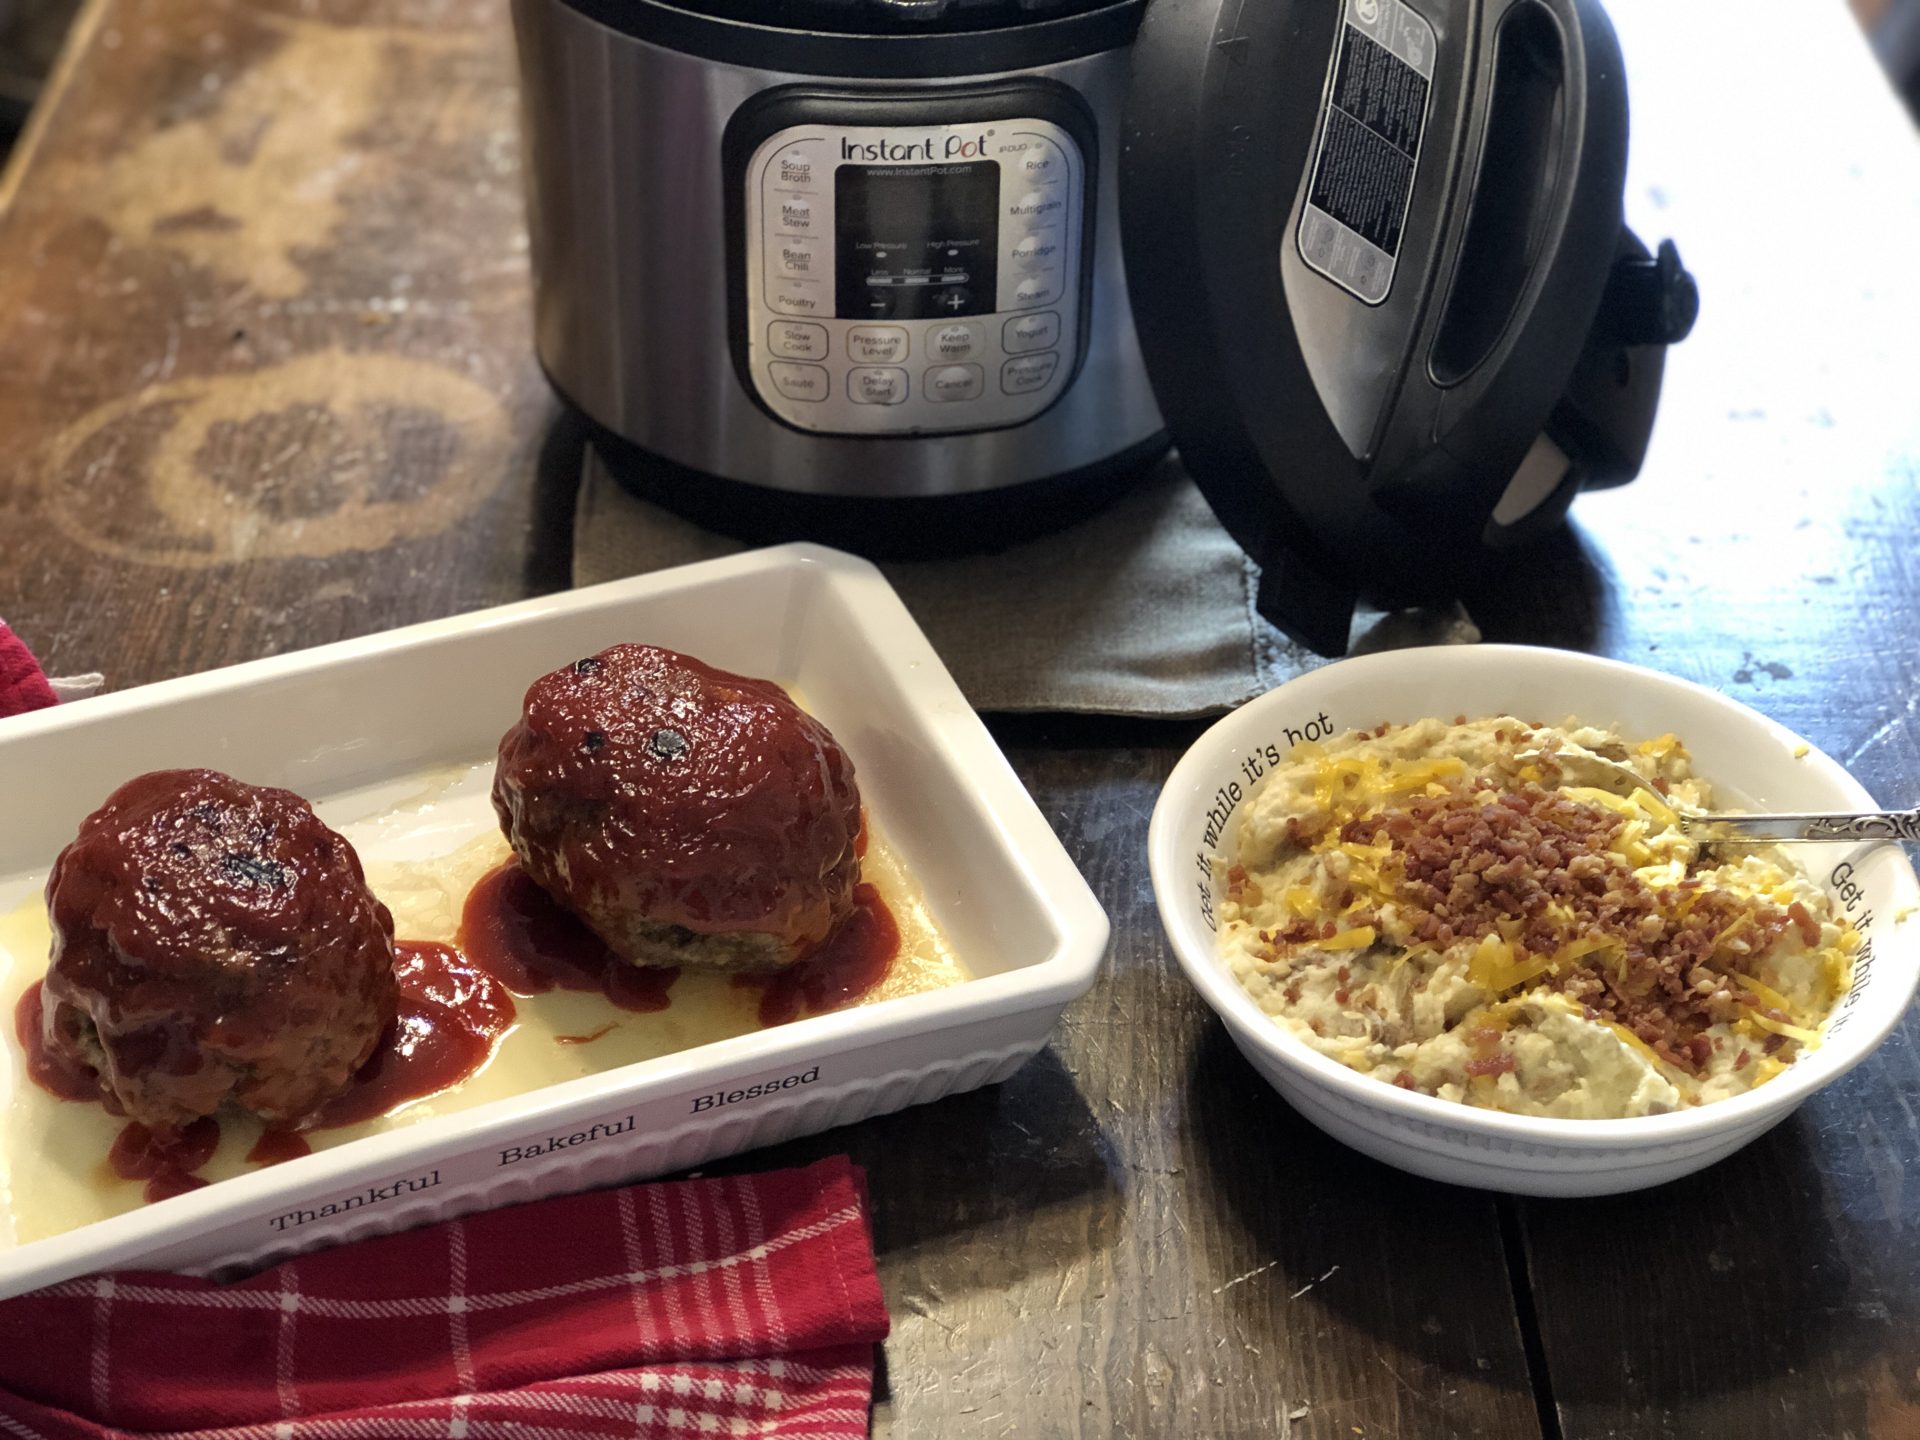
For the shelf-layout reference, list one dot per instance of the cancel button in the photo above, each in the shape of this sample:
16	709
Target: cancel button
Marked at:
955	382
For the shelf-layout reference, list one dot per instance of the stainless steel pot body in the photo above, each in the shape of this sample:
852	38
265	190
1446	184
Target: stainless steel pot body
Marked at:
628	219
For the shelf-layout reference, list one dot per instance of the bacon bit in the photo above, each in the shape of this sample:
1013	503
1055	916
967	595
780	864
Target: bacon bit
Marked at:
1492	1065
1317	1027
1329	930
1340	996
1809	927
1660	784
1740	1063
1406	1081
1236	874
1500	735
1293	993
1773	1043
1701	1048
1483	1035
1459	719
1345	974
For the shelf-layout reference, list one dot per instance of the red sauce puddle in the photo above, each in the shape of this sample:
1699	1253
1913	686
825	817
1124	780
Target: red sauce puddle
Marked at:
855	958
275	1146
165	1162
55	1074
521	936
451	1014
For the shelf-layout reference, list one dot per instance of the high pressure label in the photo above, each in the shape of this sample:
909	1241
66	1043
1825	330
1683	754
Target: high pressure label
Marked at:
1356	210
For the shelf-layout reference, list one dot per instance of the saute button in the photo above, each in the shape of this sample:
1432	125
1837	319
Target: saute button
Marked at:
800	382
1038	249
877	386
876	344
1031	332
796	214
955	382
1028	373
953	342
1041	289
797	341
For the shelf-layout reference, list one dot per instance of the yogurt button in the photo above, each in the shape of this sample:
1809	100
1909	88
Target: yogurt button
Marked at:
1031	332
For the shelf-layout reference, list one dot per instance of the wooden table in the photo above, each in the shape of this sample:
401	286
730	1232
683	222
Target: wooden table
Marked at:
266	381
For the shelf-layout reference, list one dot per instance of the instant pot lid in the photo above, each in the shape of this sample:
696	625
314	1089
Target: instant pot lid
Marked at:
1377	263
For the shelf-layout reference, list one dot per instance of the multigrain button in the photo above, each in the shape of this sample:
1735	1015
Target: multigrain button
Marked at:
1038	250
1031	332
876	344
955	382
872	385
796	341
953	342
1038	206
1028	373
1040	289
800	382
796	214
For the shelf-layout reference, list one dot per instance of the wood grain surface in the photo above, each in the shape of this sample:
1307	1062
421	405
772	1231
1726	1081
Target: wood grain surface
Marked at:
266	381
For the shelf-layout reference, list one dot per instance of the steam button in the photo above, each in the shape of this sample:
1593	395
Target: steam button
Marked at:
1040	289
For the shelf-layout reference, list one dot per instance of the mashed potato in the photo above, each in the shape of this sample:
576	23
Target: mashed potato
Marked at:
1480	912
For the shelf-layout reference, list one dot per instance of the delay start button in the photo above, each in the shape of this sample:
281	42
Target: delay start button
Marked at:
877	385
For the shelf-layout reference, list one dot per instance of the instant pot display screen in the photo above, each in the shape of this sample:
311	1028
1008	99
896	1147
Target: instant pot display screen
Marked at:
914	242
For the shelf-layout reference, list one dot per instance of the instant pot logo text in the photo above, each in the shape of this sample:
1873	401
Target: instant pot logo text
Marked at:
927	147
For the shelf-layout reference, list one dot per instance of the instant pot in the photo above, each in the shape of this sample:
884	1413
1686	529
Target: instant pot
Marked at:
918	275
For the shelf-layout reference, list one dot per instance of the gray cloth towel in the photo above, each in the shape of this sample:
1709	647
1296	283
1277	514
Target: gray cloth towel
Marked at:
1144	609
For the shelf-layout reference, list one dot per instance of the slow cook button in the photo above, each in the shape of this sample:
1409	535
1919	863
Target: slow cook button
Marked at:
1031	332
800	382
797	341
1042	248
953	342
874	385
955	382
1040	289
876	344
1028	373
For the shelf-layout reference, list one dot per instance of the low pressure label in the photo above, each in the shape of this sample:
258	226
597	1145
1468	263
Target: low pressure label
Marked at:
1356	210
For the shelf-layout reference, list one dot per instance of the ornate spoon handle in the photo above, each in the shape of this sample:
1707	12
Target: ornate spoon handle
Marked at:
1885	825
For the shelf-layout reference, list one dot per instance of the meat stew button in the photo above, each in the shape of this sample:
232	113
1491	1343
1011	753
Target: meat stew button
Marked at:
800	382
877	385
955	382
1028	373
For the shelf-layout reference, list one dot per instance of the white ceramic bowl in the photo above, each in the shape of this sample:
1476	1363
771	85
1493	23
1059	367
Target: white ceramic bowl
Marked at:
1748	757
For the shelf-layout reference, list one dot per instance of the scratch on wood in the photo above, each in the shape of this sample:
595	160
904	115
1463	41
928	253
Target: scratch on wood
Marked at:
1311	1283
1258	1270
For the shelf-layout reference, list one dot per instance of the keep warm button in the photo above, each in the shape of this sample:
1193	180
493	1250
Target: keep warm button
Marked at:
877	385
1027	373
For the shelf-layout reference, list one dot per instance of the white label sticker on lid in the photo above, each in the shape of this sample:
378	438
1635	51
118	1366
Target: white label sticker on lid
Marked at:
1362	180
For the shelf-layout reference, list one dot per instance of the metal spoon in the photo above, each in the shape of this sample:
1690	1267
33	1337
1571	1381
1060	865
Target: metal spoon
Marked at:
1759	829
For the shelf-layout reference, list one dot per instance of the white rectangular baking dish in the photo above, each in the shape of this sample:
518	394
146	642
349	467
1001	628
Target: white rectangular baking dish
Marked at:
354	718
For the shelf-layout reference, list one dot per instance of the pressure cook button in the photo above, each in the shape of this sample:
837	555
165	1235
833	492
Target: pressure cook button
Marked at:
797	341
876	386
1042	248
955	382
953	342
798	260
798	167
1028	373
796	214
1040	289
800	382
1031	332
876	344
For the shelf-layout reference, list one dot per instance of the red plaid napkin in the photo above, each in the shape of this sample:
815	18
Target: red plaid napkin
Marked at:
738	1306
23	686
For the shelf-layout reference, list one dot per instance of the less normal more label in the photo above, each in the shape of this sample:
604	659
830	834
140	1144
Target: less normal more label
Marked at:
1252	763
1370	133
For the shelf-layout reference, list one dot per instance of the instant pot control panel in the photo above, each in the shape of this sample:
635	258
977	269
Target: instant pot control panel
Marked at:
911	263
